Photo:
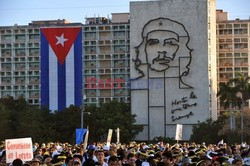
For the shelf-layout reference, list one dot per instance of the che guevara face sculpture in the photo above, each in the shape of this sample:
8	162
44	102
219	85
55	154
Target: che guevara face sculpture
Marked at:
161	48
164	42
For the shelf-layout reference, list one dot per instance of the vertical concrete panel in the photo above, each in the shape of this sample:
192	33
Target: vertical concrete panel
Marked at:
156	122
139	101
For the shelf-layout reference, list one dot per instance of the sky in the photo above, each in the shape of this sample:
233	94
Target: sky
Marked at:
23	12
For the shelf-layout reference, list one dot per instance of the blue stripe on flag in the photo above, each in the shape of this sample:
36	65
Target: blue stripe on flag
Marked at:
61	86
44	81
78	69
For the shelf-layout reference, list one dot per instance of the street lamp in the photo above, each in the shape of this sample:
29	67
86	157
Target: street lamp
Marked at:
82	111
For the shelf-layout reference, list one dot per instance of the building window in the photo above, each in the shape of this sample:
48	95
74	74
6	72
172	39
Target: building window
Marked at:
221	26
244	25
20	37
6	37
237	40
244	40
20	52
34	37
229	55
244	54
236	25
228	25
236	54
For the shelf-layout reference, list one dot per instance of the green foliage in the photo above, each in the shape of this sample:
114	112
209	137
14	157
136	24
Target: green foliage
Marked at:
111	115
208	131
242	85
235	136
66	122
227	94
19	119
214	131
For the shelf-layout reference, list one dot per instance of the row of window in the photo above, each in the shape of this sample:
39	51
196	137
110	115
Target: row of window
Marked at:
20	52
20	73
230	31
236	40
237	61
21	78
20	45
114	34
86	28
236	69
107	42
227	76
229	55
21	87
115	71
106	28
18	94
233	25
31	37
236	46
108	56
90	92
31	65
102	100
115	49
19	31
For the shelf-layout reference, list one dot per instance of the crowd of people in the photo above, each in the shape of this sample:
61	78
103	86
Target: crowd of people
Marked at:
135	154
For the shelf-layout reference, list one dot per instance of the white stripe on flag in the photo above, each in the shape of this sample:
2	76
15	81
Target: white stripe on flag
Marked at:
70	78
53	80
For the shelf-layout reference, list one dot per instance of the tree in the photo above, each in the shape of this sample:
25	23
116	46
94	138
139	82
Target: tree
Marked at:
243	87
208	131
111	115
66	122
5	129
232	137
227	93
228	98
19	119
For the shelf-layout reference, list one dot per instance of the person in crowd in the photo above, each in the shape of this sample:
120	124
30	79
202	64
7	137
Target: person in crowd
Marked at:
113	161
131	158
35	162
100	156
17	162
89	156
138	154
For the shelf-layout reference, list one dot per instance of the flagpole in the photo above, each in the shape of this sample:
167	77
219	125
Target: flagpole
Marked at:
82	117
82	110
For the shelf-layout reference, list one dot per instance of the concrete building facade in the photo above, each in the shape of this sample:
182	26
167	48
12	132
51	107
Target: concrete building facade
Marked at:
105	59
173	65
233	48
20	59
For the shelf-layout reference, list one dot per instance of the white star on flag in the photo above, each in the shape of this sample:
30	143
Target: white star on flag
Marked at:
61	40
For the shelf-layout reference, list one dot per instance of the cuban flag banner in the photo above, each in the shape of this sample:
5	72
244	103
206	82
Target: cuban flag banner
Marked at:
61	67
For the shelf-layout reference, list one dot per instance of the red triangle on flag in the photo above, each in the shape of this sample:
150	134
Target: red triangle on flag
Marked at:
61	40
